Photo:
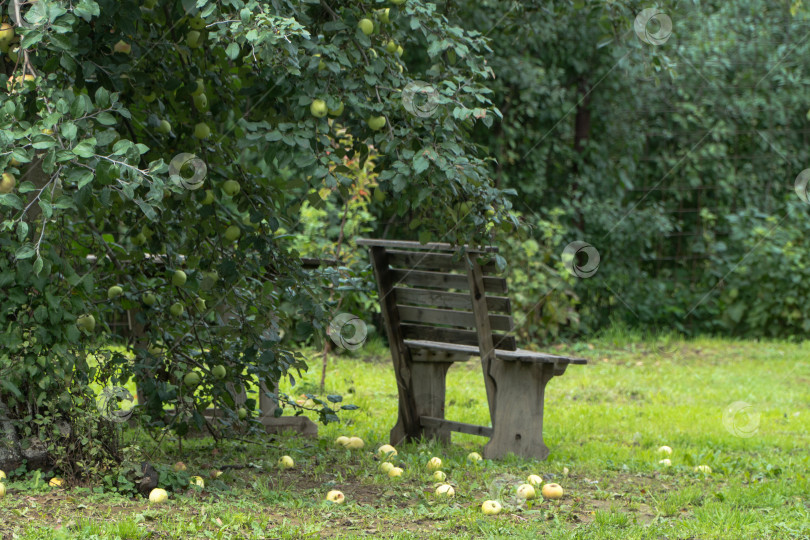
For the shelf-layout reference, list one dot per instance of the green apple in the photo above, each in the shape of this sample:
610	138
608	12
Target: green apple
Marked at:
231	187
199	89
439	476
286	462
232	233
376	123
197	23
86	322
194	39
179	278
158	496
139	239
665	450
399	50
177	309
149	299
384	15
666	462
386	466
122	47
242	412
164	127
445	491
526	491
337	111
366	26
391	46
6	36
150	97
14	54
209	197
552	491
202	131
114	292
192	378
318	108
7	183
219	371
201	102
491	508
199	303
379	195
434	464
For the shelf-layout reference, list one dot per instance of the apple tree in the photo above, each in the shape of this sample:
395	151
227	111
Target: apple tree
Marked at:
155	158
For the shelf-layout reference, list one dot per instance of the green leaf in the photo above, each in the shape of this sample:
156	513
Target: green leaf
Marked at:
22	231
87	9
85	149
232	51
106	119
25	251
31	38
68	130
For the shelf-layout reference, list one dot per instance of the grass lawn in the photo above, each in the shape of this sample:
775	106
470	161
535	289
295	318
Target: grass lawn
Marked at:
604	423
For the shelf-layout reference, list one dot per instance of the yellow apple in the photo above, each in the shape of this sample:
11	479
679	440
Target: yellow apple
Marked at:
56	482
318	108
526	491
122	47
342	441
534	480
180	466
705	469
158	496
2	475
439	476
665	450
6	36
395	472
386	466
7	183
216	474
179	278
665	462
491	508
366	26
552	491
197	481
355	443
434	464
335	496
386	450
286	462
445	491
475	457
2	491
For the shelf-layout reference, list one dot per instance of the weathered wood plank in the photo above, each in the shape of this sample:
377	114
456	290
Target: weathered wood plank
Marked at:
429	386
518	355
452	335
461	319
460	427
431	355
443	280
415	260
430	246
448	300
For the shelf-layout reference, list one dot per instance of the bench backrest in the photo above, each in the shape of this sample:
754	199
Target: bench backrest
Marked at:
425	292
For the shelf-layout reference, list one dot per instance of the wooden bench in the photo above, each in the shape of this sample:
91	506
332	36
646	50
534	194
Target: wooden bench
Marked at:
430	325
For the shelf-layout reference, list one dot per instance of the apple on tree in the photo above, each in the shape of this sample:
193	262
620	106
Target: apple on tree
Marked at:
6	36
122	47
177	309
231	187
366	26
86	322
179	278
318	108
376	123
114	292
7	183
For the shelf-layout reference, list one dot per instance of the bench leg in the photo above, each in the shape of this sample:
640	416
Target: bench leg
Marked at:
518	422
428	386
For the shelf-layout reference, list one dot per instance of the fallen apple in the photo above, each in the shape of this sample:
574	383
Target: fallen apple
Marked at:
342	441
2	475
439	476
434	464
395	472
158	496
180	466
475	457
216	474
2	491
114	292
286	462
179	278
565	471
491	508
705	469
534	480
197	481
335	496
552	491
56	482
665	462
445	491
526	491
665	450
355	443
386	450
386	466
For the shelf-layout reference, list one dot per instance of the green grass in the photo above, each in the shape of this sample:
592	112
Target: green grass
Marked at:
604	422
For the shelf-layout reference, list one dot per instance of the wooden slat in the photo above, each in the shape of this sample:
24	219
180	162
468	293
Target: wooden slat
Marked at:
451	335
459	427
430	246
422	278
415	260
448	300
521	355
461	319
431	355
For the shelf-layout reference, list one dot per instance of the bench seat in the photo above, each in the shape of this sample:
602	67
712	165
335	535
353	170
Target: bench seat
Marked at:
520	355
